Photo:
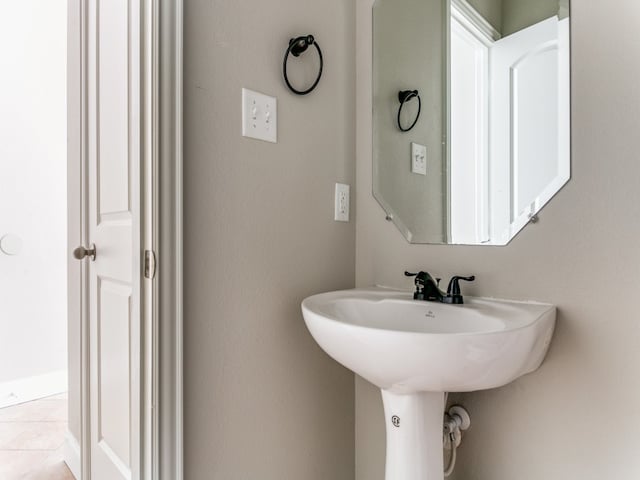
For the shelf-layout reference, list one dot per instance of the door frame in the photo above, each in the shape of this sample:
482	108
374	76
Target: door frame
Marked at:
161	194
169	187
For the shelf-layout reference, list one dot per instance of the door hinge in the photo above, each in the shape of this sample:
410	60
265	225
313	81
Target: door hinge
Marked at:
149	264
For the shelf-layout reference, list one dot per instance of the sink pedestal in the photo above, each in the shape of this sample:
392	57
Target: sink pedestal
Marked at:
414	435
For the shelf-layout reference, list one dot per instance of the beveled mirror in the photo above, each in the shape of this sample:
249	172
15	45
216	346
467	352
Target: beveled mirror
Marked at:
471	115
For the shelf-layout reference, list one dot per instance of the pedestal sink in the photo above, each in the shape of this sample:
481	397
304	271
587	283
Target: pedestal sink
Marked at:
415	351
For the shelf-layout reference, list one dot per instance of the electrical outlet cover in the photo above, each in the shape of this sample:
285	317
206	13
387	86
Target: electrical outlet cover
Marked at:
342	203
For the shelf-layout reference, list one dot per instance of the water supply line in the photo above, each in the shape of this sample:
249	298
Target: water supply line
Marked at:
456	420
452	439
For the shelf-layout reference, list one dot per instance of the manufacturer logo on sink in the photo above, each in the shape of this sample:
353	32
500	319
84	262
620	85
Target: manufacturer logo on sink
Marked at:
395	420
430	314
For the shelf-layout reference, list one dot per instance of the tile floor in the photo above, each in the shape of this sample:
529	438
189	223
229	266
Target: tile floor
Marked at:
31	440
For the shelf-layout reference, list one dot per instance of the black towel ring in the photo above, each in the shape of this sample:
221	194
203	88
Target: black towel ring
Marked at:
403	97
296	47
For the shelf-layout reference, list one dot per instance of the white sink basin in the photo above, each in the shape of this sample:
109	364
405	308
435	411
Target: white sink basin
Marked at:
405	345
416	350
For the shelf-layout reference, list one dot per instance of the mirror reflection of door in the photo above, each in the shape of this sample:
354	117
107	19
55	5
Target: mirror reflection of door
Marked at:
509	121
471	42
496	126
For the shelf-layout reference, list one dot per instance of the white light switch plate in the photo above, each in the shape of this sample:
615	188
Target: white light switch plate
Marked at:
259	116
342	203
418	159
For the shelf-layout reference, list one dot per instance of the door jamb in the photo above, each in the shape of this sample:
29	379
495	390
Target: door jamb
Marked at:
76	451
169	182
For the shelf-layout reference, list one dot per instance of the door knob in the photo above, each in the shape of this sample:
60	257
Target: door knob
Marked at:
82	252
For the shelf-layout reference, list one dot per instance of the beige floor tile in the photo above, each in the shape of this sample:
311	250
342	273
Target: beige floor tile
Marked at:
15	413
46	410
53	468
14	465
60	396
58	410
31	440
32	435
58	471
9	431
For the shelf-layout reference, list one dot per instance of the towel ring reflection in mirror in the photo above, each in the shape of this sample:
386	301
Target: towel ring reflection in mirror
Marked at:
405	96
298	46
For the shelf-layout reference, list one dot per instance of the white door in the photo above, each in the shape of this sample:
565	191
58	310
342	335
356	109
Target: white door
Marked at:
113	79
529	123
469	133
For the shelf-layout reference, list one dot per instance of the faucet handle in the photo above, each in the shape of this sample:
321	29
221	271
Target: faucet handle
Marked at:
419	283
422	277
454	286
419	280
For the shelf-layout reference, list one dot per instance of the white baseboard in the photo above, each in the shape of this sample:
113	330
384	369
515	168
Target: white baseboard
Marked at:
71	452
33	388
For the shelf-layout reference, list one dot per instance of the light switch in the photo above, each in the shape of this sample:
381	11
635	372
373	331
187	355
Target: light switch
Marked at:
259	116
418	158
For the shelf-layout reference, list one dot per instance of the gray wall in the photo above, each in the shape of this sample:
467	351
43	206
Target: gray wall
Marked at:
417	201
520	14
510	16
262	401
578	416
491	10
